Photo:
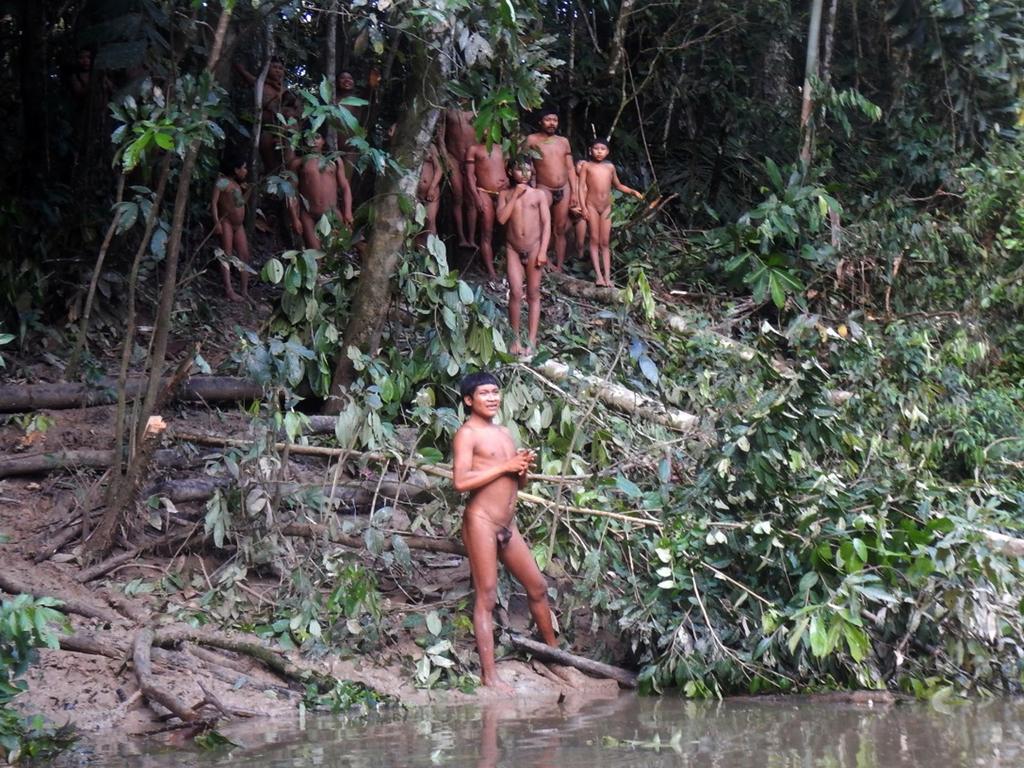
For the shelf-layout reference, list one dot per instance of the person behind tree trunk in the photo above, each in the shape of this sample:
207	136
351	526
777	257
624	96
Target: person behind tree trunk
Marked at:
524	212
228	206
487	466
277	100
459	136
485	179
428	190
556	175
320	181
596	180
578	219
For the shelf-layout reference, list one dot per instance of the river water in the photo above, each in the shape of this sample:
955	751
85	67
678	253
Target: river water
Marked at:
626	731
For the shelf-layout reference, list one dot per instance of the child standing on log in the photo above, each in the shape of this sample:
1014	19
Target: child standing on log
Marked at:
487	466
596	180
228	205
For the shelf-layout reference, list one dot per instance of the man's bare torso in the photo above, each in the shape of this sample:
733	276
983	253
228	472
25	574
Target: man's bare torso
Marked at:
318	184
551	168
490	167
459	134
496	501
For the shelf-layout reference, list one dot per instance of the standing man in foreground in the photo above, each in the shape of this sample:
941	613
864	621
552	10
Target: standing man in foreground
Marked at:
555	173
487	465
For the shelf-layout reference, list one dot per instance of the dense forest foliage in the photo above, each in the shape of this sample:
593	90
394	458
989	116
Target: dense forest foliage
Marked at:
828	274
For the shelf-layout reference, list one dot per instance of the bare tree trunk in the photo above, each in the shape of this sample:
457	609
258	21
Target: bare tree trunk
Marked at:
413	135
83	328
122	487
810	72
129	333
619	38
830	34
255	171
331	66
167	292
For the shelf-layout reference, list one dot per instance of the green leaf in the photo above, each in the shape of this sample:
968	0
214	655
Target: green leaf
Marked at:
434	625
628	487
819	636
273	271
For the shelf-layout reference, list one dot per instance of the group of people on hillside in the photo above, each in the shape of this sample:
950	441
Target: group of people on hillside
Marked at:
532	196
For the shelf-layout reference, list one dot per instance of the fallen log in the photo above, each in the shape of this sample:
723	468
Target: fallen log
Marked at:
80	458
1003	544
425	543
94	646
351	492
623	677
151	691
437	470
170	540
675	322
622	398
33	397
15	586
181	633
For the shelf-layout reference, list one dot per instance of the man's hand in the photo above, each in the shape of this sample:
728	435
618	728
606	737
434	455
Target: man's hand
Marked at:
542	258
520	463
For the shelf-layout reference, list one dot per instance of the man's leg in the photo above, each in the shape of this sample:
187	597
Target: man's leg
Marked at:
310	238
515	296
605	236
519	560
534	272
487	237
455	176
242	248
227	245
478	534
593	222
559	225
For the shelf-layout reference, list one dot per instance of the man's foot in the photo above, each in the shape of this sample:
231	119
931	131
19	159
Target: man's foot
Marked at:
499	686
232	296
467	244
515	349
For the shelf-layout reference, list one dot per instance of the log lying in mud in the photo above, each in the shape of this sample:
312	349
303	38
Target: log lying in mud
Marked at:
151	690
81	458
1003	544
425	543
622	398
623	677
71	604
33	397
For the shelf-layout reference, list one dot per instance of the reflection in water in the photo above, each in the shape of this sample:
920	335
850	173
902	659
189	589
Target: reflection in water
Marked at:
627	731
